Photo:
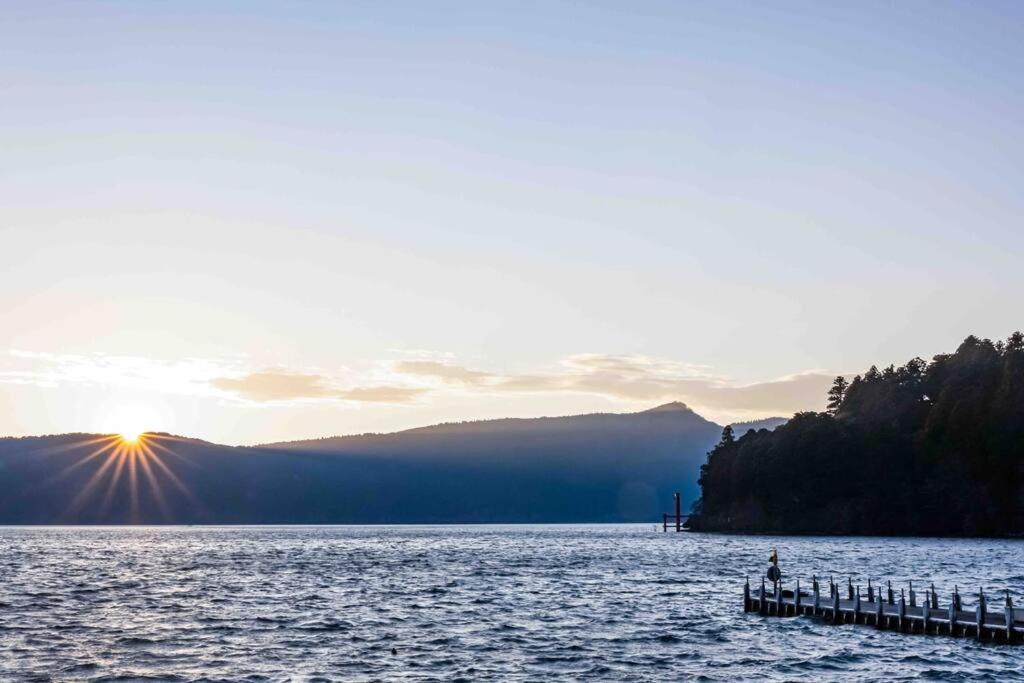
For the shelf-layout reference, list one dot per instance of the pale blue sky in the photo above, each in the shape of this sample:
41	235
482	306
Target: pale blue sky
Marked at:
308	197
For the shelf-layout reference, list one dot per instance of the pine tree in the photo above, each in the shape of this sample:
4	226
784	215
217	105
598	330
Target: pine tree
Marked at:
727	436
836	394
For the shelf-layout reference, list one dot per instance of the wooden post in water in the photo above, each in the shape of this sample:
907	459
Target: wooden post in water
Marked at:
746	595
879	612
849	588
664	521
889	584
778	599
856	606
901	614
979	613
913	595
762	605
935	598
925	612
952	614
679	511
871	591
836	615
796	598
1008	614
817	594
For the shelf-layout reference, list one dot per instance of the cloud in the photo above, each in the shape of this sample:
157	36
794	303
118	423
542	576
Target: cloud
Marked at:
195	377
641	378
444	371
273	385
382	394
282	385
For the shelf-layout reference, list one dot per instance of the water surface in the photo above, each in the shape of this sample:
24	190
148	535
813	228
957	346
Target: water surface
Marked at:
472	603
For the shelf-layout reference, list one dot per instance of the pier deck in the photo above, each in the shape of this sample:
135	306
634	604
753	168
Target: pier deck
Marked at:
887	610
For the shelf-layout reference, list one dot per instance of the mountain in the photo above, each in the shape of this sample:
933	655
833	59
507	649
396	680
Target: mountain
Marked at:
768	423
583	468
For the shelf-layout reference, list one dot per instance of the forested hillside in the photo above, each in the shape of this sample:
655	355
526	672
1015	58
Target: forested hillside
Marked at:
583	468
924	449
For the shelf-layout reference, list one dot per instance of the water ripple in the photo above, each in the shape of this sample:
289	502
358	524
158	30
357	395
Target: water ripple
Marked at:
461	603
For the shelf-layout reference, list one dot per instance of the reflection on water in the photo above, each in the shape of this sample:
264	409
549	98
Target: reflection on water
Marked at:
621	602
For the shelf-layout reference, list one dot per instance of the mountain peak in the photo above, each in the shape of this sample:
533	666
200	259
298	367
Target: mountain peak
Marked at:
673	407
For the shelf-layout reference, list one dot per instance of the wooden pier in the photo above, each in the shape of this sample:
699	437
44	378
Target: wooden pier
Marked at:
885	609
679	517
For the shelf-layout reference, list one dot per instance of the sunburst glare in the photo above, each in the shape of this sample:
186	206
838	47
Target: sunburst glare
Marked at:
131	469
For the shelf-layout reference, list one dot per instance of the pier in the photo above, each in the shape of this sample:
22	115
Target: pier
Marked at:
678	517
885	609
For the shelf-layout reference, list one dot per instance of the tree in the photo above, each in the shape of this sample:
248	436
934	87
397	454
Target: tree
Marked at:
836	394
727	436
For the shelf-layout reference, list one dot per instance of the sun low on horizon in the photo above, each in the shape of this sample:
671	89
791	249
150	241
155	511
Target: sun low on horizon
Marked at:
130	436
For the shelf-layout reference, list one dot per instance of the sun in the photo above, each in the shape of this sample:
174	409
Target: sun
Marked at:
131	436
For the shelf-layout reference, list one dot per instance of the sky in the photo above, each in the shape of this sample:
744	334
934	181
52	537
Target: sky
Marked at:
251	222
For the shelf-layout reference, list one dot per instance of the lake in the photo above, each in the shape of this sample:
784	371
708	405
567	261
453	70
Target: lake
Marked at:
619	602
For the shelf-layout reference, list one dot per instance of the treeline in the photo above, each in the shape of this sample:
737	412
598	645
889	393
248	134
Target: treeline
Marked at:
924	449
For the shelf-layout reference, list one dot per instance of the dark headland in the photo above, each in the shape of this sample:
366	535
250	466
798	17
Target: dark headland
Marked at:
930	448
583	468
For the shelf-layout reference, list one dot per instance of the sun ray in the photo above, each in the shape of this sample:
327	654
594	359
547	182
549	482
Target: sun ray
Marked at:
154	485
95	454
178	483
93	482
133	486
155	442
108	497
119	477
108	438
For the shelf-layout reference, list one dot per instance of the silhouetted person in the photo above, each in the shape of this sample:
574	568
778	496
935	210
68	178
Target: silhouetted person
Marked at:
774	574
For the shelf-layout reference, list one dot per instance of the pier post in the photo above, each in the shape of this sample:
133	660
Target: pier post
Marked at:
836	615
925	612
746	595
796	599
871	592
779	609
913	595
817	594
849	588
879	611
856	607
935	598
664	521
889	584
952	614
679	513
901	613
831	587
762	603
1008	614
979	613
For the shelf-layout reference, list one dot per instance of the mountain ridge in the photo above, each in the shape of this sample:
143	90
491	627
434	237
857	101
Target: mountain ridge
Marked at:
596	467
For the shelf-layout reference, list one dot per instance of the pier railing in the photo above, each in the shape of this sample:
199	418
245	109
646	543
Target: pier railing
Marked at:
906	611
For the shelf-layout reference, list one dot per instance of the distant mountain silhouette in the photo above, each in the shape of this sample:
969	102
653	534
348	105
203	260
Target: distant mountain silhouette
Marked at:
583	468
769	423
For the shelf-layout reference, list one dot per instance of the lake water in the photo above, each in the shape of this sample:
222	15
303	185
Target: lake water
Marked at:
470	603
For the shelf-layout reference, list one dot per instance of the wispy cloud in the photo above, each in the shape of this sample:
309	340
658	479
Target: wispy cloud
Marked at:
445	371
224	378
628	378
281	385
641	378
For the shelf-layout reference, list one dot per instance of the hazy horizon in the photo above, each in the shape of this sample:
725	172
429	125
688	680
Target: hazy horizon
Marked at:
251	224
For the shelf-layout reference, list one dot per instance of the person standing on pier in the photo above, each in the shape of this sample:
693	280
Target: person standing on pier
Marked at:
774	574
